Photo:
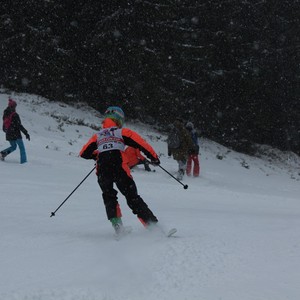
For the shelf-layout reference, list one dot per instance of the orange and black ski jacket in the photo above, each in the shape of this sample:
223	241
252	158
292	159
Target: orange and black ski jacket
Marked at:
108	146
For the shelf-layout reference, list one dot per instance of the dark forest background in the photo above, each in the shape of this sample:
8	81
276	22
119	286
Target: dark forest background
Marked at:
231	67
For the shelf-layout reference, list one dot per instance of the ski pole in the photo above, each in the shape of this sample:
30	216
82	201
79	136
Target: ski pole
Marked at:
185	186
53	213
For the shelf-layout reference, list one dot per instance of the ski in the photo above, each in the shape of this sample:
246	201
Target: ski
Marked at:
128	229
125	231
167	233
171	232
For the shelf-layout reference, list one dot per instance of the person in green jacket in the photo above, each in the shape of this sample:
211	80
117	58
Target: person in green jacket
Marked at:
180	144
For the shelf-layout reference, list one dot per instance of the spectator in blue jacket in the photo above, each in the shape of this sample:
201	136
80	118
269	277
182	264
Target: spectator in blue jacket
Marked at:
194	152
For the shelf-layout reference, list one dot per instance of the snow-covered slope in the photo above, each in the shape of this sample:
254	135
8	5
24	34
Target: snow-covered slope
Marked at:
238	224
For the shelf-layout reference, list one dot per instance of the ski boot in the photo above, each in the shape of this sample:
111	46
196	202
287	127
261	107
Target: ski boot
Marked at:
180	174
120	230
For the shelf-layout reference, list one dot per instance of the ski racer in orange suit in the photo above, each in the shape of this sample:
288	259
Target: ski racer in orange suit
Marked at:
135	158
107	148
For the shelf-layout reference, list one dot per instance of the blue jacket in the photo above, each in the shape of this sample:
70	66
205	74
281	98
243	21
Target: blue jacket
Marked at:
195	139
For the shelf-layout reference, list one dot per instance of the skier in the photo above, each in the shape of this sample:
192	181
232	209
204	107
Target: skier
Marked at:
179	145
12	127
135	158
194	152
107	147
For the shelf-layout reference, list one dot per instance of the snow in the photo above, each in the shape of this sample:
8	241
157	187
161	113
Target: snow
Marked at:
238	223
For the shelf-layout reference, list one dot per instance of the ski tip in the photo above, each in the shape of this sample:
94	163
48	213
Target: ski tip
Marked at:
171	232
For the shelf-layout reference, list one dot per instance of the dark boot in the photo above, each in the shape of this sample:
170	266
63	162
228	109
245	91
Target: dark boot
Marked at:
2	156
146	165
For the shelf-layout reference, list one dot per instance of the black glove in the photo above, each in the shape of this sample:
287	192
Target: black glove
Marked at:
27	136
169	153
155	161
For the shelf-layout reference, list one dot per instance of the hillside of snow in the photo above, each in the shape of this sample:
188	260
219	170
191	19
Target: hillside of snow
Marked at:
238	223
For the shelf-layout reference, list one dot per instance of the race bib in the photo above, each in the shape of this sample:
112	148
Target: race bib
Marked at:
110	139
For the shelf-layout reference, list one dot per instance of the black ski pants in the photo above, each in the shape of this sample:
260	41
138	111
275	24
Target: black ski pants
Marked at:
126	185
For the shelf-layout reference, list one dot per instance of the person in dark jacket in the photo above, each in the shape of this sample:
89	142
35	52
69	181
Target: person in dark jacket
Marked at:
13	127
194	152
179	145
107	148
